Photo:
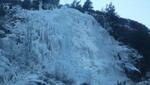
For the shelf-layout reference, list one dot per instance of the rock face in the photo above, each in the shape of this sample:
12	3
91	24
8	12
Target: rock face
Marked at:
130	33
61	47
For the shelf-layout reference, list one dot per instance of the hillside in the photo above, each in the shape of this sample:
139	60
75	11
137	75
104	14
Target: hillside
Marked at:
128	32
62	47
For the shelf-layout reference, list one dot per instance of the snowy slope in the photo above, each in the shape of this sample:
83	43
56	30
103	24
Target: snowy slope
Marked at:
61	46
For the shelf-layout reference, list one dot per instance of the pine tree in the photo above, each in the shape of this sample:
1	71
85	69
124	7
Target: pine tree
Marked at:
73	4
110	9
87	5
76	4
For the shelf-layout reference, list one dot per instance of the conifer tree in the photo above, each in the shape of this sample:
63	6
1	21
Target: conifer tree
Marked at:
110	9
76	4
87	5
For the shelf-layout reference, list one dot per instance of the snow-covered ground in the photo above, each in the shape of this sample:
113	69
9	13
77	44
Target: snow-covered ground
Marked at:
61	47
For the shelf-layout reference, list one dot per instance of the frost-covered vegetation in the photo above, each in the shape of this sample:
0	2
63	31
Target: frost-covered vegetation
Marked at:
47	44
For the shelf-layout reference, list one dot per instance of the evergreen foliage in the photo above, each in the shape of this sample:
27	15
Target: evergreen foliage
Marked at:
87	5
76	4
110	9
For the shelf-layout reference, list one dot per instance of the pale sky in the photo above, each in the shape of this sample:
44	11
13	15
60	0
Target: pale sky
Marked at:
138	10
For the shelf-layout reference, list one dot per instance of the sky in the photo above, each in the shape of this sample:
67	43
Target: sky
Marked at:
138	10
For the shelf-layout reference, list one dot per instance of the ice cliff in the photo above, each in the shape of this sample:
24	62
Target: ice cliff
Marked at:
61	47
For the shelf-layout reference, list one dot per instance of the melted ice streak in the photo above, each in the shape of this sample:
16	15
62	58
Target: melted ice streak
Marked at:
62	41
